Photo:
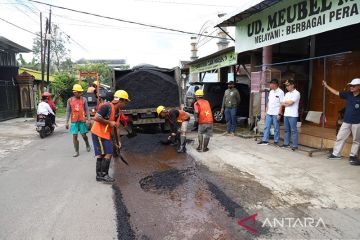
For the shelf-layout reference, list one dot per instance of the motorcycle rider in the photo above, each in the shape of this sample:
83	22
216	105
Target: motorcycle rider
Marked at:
51	104
45	109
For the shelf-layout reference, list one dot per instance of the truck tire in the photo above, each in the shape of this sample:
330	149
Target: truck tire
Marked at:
218	116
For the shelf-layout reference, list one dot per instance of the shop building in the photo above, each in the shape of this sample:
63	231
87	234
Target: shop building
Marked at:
307	41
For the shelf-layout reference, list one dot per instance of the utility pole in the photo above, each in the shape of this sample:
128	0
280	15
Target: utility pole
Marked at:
41	54
48	56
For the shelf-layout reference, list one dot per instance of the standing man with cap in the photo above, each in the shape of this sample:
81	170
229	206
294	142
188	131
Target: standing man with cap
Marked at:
274	113
105	121
203	116
177	119
77	109
291	114
230	104
351	122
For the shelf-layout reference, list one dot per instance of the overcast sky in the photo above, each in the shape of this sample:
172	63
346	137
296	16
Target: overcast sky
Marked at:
108	39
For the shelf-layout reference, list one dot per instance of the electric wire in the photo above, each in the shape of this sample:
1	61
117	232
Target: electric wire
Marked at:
19	27
126	21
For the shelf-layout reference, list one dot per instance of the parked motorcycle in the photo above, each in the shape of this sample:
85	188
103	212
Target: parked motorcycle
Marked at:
43	126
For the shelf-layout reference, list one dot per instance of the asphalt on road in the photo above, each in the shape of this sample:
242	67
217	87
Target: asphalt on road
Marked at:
165	195
48	194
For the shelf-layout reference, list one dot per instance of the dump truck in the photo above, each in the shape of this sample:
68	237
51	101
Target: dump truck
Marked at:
148	87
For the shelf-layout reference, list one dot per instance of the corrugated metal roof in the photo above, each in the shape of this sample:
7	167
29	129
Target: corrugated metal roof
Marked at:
248	9
35	73
7	45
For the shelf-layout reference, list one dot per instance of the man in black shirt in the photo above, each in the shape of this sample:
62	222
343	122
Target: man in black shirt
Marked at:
351	122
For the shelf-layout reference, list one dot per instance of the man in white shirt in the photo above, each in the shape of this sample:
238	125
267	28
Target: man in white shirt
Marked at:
291	114
44	108
274	112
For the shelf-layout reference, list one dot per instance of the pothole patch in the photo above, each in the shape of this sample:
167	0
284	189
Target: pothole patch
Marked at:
165	181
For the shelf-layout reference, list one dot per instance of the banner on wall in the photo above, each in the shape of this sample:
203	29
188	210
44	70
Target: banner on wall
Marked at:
294	19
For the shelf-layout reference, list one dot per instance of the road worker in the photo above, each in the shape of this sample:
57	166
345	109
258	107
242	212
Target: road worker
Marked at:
104	122
178	120
204	117
77	110
93	88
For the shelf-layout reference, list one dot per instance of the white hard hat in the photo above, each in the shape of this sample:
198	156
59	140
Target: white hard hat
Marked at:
355	81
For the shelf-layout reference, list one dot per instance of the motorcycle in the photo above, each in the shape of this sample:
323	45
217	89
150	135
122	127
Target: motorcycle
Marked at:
43	126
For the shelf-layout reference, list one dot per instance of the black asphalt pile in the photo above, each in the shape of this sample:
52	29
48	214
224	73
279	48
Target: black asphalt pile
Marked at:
165	181
149	89
124	230
143	143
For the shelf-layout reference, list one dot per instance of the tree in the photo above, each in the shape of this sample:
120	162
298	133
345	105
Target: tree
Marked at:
59	51
32	65
63	84
102	69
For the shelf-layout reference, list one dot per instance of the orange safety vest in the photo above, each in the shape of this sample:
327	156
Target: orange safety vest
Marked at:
77	109
183	116
104	130
204	111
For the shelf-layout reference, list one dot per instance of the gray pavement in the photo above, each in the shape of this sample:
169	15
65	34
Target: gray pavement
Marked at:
304	186
48	194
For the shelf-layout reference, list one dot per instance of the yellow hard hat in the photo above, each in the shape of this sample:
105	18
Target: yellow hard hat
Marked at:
199	93
121	94
159	109
77	88
96	83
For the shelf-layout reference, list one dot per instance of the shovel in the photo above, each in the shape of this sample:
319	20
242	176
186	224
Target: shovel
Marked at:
118	149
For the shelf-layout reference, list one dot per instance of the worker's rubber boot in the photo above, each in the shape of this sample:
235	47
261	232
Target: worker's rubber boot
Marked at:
206	143
99	174
201	140
76	147
105	165
88	148
182	148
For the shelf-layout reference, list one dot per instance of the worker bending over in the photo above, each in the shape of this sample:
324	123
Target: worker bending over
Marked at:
177	119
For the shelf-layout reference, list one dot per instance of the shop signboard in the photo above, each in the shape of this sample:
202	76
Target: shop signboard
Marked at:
223	60
288	20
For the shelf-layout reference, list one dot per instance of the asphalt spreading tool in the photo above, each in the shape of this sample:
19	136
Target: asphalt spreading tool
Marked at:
117	141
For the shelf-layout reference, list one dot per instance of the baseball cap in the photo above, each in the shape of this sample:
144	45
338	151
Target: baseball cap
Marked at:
231	83
289	82
274	81
355	81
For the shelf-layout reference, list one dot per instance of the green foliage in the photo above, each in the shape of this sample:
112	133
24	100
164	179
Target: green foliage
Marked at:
102	69
61	111
63	84
32	65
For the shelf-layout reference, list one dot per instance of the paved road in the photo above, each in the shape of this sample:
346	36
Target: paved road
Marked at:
48	194
45	193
